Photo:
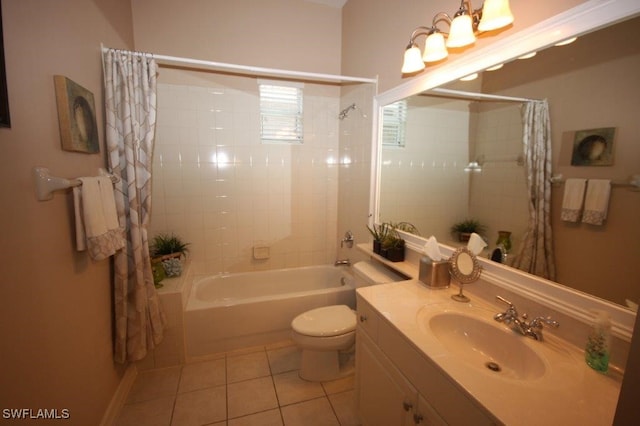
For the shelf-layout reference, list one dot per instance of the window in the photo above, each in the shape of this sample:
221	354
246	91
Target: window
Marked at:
394	119
280	112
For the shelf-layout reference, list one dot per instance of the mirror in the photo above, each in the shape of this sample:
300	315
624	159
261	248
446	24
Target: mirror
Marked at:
465	269
452	124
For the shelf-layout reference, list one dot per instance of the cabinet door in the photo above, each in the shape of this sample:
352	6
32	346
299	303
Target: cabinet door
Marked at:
384	397
426	415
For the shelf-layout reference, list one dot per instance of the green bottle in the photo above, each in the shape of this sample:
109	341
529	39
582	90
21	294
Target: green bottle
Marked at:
596	352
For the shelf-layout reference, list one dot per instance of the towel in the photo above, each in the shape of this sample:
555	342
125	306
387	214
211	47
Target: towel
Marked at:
572	199
596	201
97	227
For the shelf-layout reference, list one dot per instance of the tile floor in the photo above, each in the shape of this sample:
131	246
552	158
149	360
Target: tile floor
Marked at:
254	386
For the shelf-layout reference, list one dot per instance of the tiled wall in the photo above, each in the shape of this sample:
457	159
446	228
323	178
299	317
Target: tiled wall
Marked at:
498	195
219	188
423	183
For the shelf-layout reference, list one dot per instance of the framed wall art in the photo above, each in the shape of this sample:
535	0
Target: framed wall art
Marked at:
5	120
76	116
593	147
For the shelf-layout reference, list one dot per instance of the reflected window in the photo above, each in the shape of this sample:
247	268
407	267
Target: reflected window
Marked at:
394	123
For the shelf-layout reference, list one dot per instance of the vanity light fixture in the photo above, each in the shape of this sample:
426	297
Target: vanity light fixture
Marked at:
495	67
528	55
470	77
463	27
567	41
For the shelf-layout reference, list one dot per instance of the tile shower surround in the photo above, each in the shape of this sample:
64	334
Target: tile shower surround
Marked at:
217	186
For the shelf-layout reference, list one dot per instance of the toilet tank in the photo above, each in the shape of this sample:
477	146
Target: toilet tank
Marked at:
369	272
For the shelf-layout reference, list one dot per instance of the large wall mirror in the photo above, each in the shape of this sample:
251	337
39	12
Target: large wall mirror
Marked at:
591	83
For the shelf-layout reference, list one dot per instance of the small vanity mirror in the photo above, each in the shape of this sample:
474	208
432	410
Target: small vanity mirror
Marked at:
465	269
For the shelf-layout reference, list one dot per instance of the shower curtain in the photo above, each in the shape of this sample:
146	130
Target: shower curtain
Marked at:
536	252
130	102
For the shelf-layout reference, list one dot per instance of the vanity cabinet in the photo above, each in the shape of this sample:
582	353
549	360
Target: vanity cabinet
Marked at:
397	385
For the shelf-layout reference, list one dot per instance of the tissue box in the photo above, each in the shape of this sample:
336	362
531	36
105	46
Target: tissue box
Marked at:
434	274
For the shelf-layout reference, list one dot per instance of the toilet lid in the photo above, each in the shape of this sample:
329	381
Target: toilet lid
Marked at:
325	322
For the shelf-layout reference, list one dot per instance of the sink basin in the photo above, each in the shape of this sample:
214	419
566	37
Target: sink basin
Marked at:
483	345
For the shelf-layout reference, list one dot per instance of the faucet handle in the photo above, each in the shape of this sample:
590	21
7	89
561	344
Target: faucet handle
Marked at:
503	300
537	322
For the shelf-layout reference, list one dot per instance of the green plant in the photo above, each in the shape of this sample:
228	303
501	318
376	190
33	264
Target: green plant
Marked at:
378	232
468	226
406	227
165	244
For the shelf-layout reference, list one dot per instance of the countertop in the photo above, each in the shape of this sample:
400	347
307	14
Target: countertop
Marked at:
569	392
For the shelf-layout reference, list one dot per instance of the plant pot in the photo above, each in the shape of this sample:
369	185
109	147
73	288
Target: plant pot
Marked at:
377	246
171	263
395	254
463	237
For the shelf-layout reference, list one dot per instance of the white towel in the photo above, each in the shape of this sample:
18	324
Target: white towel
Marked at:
596	201
572	199
97	226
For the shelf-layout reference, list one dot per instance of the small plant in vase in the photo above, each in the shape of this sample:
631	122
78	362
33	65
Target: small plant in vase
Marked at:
463	230
379	233
168	250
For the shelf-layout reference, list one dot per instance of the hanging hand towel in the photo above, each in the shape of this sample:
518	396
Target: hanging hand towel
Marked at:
97	225
596	201
572	199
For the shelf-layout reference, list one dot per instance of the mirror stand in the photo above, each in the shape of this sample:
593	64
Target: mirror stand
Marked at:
465	269
460	297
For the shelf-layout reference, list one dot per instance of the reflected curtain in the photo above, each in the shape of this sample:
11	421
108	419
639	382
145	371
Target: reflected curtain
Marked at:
536	252
130	103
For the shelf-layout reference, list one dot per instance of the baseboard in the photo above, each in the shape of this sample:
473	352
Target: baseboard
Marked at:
120	396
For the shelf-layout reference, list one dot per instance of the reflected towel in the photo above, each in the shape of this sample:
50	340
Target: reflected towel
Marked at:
596	201
572	199
97	226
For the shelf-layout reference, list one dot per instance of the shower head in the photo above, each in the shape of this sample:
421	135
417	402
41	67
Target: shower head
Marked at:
345	112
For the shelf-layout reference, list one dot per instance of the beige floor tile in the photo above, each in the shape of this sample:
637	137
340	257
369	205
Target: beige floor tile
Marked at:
155	412
344	405
317	412
266	418
246	350
284	359
202	375
251	396
154	384
290	388
200	407
281	344
247	366
339	385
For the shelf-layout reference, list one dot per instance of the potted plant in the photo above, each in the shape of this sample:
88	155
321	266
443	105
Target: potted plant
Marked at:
392	246
379	233
168	250
465	228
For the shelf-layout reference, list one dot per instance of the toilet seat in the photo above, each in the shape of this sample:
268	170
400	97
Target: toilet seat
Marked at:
326	321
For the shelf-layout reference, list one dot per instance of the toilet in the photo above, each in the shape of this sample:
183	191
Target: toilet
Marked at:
326	335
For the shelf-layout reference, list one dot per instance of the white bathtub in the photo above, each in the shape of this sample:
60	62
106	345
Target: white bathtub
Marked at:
226	312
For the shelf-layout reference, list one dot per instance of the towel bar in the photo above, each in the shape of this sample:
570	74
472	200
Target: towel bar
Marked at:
633	182
47	184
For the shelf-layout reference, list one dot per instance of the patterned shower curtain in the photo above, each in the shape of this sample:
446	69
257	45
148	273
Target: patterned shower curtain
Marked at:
130	102
536	252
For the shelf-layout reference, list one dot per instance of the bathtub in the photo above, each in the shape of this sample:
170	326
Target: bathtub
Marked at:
232	311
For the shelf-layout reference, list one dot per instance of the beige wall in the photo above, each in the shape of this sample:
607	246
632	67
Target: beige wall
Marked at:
286	34
55	304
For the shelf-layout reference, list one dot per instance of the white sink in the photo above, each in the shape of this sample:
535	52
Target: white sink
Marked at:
484	345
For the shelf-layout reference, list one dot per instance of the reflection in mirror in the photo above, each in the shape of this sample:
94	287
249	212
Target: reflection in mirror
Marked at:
589	84
465	269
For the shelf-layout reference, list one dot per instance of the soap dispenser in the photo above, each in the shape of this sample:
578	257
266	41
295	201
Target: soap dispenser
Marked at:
596	352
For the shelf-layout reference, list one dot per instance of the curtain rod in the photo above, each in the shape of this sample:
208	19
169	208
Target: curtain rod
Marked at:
482	95
171	60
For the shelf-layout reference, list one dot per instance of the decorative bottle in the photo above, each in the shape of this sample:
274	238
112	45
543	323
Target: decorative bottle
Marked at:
596	352
504	239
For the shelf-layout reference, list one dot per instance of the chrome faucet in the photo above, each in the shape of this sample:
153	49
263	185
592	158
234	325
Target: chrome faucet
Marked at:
345	262
519	323
348	238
